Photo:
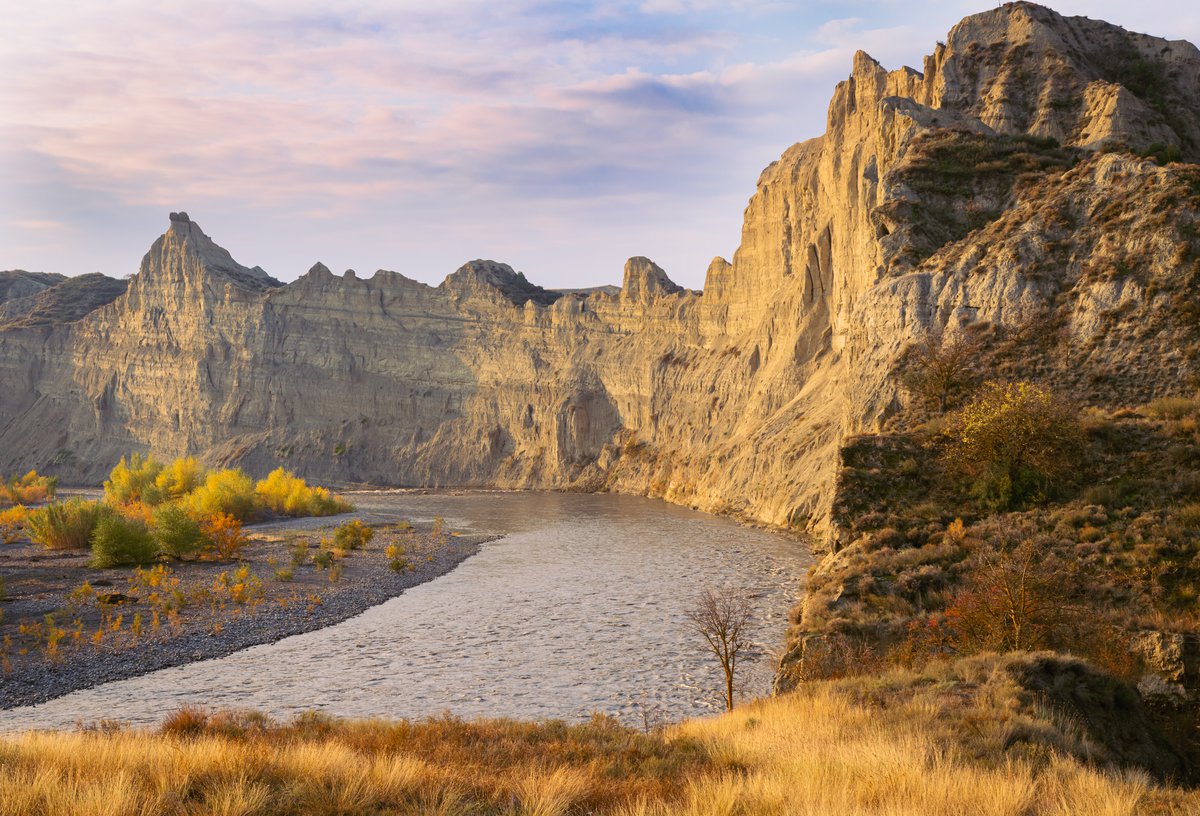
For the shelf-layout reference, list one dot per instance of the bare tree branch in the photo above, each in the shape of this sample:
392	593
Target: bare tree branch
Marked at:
724	618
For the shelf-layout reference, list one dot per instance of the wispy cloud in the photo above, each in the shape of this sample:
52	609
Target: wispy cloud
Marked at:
570	134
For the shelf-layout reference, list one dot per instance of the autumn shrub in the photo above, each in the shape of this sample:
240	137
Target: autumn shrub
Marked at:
134	481
177	533
1014	441
67	525
397	557
241	586
225	536
180	478
28	489
225	492
1019	592
137	510
12	521
284	492
120	541
353	535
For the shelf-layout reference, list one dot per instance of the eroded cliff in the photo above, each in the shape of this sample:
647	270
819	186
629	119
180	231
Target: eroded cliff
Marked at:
1000	186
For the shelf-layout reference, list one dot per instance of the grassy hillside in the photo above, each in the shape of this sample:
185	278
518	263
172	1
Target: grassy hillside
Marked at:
972	737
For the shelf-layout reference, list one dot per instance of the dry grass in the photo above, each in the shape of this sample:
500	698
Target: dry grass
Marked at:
238	764
831	748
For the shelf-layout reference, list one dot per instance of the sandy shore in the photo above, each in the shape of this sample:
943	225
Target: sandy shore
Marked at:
38	583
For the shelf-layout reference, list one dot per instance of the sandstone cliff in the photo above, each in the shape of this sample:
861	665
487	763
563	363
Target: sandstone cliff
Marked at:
978	190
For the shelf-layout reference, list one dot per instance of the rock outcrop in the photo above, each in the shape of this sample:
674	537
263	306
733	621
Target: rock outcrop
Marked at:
974	191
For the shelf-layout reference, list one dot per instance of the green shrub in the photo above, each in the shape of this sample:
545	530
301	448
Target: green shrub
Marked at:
134	481
353	535
1014	440
66	526
119	541
323	560
178	534
229	492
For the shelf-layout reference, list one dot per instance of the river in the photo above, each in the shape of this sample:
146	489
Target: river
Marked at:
578	608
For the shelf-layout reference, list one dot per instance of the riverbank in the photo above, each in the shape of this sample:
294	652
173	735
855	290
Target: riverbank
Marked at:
224	607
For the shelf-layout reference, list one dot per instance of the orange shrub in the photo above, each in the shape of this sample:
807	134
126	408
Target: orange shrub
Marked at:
137	511
225	535
28	489
11	522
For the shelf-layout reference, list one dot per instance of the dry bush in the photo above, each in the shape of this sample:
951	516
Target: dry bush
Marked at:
1172	407
939	369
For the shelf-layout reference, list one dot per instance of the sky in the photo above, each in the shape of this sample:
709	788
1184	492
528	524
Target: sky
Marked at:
560	138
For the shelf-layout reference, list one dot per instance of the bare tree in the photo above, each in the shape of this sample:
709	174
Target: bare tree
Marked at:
724	617
940	366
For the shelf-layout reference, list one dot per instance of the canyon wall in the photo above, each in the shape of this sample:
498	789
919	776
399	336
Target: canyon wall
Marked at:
1000	187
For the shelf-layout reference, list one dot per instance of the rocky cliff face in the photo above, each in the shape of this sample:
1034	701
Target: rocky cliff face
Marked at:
975	191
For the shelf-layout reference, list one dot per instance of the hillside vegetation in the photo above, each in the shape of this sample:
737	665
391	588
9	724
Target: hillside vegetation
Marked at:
957	739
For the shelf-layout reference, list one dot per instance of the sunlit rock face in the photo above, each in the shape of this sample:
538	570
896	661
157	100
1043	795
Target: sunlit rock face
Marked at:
933	199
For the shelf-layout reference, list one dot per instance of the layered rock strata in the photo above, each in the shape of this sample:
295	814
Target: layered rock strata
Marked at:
975	191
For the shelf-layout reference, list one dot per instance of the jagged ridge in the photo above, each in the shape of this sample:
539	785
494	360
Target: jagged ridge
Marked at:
933	199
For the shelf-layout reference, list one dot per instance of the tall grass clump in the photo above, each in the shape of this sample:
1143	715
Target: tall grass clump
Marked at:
1172	407
177	533
286	493
228	492
121	541
67	525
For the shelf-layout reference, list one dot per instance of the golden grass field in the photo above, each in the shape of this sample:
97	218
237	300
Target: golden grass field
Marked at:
880	746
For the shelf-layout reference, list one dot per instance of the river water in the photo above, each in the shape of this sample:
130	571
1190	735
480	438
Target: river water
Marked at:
578	608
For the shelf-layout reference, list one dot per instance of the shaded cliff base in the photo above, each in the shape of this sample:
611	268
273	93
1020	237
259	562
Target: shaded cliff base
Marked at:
278	599
1002	736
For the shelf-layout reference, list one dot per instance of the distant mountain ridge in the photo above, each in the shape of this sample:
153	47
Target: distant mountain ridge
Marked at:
1014	184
